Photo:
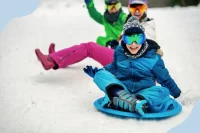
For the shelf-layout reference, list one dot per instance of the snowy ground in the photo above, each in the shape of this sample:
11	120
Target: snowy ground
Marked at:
33	100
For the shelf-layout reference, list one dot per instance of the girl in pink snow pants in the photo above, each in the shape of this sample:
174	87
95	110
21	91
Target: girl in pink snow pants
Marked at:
101	54
74	54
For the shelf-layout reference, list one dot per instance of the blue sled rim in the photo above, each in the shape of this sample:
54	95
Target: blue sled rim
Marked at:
176	110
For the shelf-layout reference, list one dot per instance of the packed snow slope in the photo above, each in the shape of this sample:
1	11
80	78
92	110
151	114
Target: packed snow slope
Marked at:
33	100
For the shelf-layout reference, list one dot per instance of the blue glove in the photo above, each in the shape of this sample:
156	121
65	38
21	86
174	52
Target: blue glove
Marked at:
91	71
177	95
87	1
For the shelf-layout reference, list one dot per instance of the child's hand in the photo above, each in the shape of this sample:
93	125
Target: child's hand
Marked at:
112	44
91	71
87	1
178	95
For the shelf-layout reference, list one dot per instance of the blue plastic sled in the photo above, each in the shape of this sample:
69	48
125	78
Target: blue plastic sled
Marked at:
167	113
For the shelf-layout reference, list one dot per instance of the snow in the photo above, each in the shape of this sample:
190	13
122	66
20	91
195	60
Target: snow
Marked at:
33	100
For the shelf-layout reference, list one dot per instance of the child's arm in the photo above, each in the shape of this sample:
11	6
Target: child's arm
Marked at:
98	17
150	29
123	17
162	76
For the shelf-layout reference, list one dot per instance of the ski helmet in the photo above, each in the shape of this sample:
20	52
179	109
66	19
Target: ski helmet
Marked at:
111	1
138	2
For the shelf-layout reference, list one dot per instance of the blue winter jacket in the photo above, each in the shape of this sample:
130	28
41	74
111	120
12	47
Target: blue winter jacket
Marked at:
141	73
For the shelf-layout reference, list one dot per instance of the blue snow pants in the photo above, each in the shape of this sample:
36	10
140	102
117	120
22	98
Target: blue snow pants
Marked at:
156	96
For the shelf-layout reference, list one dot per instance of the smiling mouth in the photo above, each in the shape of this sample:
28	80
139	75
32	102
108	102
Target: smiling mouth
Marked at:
133	48
137	15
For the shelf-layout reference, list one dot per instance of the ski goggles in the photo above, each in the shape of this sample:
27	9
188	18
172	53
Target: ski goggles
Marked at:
110	6
141	7
138	38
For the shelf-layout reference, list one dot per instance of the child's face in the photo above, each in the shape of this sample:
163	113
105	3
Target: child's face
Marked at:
133	48
113	10
113	7
137	13
137	10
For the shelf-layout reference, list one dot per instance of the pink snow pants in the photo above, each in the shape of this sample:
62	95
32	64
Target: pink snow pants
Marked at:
77	53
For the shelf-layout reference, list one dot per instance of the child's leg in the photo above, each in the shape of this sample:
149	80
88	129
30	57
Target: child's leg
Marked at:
117	93
105	81
156	97
77	53
102	40
108	84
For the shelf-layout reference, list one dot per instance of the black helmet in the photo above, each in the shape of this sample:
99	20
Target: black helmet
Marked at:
111	1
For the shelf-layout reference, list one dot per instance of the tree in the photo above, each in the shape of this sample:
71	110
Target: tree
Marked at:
164	3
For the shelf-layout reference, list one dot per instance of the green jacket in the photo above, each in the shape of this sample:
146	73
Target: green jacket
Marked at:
114	30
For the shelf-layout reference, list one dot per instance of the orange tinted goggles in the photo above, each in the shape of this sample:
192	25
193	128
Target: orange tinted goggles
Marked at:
140	7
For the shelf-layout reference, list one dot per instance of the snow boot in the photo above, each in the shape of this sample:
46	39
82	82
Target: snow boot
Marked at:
51	48
46	60
128	102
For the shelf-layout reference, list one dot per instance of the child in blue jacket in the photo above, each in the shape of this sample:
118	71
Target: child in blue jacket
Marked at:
129	81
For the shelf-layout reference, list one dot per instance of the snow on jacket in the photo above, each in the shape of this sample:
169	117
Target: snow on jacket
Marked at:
141	73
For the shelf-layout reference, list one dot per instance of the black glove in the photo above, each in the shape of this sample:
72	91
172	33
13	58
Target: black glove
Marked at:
112	44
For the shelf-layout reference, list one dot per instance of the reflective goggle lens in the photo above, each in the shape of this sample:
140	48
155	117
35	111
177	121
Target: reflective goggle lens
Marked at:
138	38
113	5
142	8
